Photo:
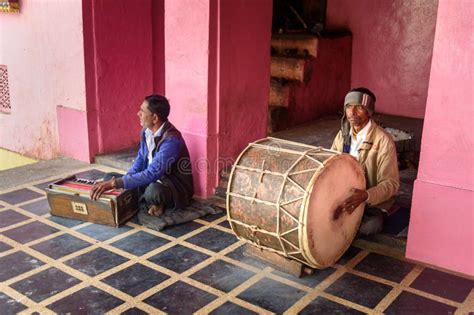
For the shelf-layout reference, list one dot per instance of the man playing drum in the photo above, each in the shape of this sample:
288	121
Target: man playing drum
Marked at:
375	150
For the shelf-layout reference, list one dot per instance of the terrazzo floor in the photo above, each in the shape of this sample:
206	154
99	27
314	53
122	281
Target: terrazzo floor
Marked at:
55	265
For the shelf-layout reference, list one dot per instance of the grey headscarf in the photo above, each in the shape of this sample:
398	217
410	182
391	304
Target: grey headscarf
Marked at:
359	98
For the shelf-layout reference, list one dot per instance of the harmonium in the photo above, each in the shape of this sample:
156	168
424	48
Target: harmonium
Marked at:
70	198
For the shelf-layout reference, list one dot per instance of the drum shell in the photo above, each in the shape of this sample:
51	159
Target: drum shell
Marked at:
269	192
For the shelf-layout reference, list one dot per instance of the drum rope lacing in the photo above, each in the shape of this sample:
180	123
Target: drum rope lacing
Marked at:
279	205
287	177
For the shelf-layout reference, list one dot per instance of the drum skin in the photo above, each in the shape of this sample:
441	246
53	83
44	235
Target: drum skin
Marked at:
282	197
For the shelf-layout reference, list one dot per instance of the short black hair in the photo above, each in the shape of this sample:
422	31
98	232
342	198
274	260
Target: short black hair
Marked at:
159	105
364	90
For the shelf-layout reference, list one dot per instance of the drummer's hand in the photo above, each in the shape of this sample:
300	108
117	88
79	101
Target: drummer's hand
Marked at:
99	188
358	196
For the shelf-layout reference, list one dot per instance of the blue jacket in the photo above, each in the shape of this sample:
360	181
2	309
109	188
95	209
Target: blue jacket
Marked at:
170	164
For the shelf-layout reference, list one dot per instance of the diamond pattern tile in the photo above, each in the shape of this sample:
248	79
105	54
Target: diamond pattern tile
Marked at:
359	290
4	247
443	284
96	261
70	223
181	229
39	207
178	258
89	300
222	275
30	232
231	308
272	295
61	246
19	196
9	305
178	277
213	239
10	217
180	298
140	243
321	305
385	267
103	232
135	279
45	284
311	281
409	303
17	263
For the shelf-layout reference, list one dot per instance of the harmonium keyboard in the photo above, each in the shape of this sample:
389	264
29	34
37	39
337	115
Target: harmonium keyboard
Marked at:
70	198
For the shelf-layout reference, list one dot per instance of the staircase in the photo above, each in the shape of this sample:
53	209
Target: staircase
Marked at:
290	66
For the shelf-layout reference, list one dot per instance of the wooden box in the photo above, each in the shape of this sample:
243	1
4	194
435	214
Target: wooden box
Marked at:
69	198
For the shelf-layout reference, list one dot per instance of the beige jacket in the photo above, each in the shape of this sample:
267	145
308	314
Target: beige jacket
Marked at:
378	158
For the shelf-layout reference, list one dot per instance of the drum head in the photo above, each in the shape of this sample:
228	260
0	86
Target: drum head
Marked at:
326	239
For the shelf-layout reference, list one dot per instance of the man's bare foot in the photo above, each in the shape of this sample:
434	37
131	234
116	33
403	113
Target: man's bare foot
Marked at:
156	210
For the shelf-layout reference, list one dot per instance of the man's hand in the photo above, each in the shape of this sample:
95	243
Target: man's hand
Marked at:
99	188
350	204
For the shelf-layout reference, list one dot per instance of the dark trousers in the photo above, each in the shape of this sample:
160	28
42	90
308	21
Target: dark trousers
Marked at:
372	221
156	194
153	194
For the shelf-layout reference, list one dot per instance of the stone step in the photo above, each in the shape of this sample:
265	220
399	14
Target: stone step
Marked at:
290	68
121	160
295	45
279	94
277	116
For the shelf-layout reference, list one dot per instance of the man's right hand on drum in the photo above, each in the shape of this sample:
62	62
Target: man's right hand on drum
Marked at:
350	204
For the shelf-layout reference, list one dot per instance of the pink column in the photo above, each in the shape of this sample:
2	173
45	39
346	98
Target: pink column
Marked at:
441	228
186	81
217	65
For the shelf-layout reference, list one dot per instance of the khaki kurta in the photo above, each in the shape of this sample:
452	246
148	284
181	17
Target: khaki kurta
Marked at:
378	158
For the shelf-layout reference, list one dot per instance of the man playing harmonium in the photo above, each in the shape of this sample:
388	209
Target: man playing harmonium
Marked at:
375	150
162	169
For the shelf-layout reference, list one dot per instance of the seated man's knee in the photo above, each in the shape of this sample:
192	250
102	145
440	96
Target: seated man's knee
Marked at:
372	222
152	192
157	193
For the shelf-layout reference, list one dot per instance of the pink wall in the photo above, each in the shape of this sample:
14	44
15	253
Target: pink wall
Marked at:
46	69
120	45
392	49
244	76
330	80
72	133
441	230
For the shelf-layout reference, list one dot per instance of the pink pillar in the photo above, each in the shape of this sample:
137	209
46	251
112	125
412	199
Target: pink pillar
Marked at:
217	78
442	224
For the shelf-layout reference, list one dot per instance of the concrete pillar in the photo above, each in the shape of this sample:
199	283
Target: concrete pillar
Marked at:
217	56
441	230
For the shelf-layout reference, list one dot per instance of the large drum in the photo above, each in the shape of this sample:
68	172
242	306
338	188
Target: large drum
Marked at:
282	196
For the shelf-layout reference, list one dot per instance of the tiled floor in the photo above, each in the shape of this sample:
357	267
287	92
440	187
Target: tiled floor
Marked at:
56	265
